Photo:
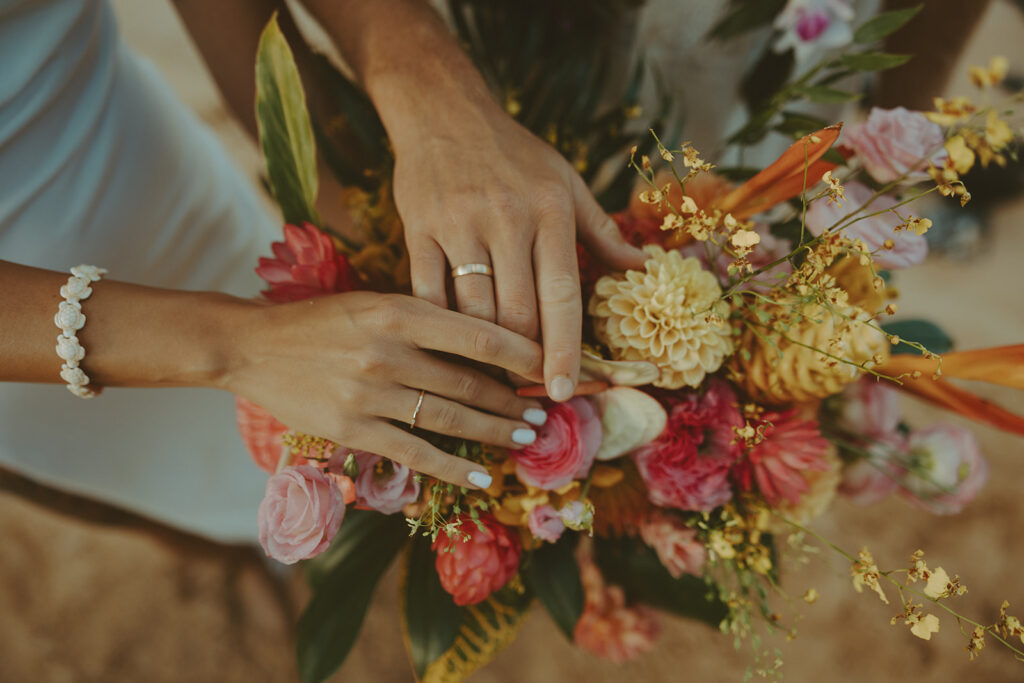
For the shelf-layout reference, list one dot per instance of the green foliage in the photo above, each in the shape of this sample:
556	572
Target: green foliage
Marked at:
884	24
924	332
745	16
873	61
430	618
825	95
343	579
552	573
285	131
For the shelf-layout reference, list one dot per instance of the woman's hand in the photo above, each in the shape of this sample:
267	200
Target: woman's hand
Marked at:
343	367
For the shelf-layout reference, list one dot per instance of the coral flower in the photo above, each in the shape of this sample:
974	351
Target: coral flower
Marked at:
677	545
476	561
300	514
775	465
607	627
306	265
564	449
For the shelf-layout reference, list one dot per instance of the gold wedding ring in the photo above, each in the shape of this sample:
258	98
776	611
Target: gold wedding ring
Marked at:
416	412
472	269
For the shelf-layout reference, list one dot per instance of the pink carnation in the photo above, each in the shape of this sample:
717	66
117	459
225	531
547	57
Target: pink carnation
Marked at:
945	468
300	514
892	142
677	545
381	484
687	467
306	265
564	449
545	523
775	465
477	561
909	248
607	627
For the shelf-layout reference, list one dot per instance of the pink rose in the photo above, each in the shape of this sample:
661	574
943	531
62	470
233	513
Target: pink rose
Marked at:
677	545
687	467
893	142
545	523
945	469
300	514
382	485
909	248
869	408
564	449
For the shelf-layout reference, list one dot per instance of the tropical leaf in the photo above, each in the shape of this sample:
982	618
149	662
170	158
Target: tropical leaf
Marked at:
817	93
430	618
285	131
552	573
343	579
926	333
873	61
745	16
881	26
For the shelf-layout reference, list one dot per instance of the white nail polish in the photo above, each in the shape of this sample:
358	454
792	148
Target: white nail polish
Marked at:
535	416
561	388
524	437
481	480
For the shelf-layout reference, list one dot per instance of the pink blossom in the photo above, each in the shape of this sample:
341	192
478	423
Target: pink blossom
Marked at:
545	523
677	545
261	433
812	27
869	408
300	514
909	248
894	142
306	265
873	477
607	627
789	447
381	484
687	467
565	446
945	468
477	560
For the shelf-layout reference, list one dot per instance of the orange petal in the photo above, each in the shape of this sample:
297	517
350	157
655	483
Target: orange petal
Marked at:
787	188
1002	365
946	395
582	389
802	153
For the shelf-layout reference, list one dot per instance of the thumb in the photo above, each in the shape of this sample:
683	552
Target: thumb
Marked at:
600	233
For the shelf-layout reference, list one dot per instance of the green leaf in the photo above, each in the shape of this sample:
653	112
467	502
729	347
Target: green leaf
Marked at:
430	618
930	335
817	93
285	131
552	573
343	579
873	61
746	15
798	125
874	30
487	628
634	566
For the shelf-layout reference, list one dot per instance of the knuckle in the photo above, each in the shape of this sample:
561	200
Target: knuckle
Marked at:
561	288
485	344
413	456
447	417
371	360
469	387
389	314
519	316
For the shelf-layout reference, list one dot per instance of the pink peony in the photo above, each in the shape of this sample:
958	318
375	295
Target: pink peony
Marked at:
687	467
306	265
472	568
261	433
775	465
545	523
909	248
677	545
945	468
894	142
564	449
869	408
381	485
300	514
607	628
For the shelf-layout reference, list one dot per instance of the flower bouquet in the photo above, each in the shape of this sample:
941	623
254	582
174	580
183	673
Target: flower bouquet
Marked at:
731	389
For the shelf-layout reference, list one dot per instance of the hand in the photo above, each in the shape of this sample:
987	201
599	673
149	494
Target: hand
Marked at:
342	367
476	187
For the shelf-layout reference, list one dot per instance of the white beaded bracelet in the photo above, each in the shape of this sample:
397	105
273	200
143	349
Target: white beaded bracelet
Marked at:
69	318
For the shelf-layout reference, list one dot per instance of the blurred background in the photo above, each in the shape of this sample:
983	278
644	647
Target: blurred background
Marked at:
91	594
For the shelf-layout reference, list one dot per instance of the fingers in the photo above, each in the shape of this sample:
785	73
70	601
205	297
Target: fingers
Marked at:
474	292
600	233
561	313
418	455
427	265
514	292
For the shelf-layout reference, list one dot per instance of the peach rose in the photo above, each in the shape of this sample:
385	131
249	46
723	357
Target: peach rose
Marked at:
300	514
894	142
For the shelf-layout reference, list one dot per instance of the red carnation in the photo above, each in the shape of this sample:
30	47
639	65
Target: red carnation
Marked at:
789	446
306	265
472	568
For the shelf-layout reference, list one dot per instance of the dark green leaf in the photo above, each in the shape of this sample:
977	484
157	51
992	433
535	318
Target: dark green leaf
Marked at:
798	125
825	95
746	15
873	61
763	81
285	131
552	573
343	579
884	24
930	335
634	566
430	617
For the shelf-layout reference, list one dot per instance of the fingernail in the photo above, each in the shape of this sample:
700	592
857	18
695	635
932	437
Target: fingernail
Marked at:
481	480
561	388
535	416
524	437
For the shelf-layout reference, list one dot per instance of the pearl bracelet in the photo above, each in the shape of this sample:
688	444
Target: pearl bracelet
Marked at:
69	318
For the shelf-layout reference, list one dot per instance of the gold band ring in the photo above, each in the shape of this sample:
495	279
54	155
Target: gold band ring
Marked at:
416	412
472	269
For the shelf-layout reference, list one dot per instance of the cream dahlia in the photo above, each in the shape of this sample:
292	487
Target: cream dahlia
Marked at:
668	314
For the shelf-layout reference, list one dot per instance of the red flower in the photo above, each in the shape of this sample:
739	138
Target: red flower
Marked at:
472	568
789	447
306	265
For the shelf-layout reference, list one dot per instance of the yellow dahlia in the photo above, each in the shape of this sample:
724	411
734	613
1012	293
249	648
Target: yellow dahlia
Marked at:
667	314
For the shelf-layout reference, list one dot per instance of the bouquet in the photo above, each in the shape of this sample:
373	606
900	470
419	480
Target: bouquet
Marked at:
731	389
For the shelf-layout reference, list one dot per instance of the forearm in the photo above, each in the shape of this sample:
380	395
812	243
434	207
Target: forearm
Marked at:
133	336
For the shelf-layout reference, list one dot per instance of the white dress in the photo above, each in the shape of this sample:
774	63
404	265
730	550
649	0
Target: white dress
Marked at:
100	163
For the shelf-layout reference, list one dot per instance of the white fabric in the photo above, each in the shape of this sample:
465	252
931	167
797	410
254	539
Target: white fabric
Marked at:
101	163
